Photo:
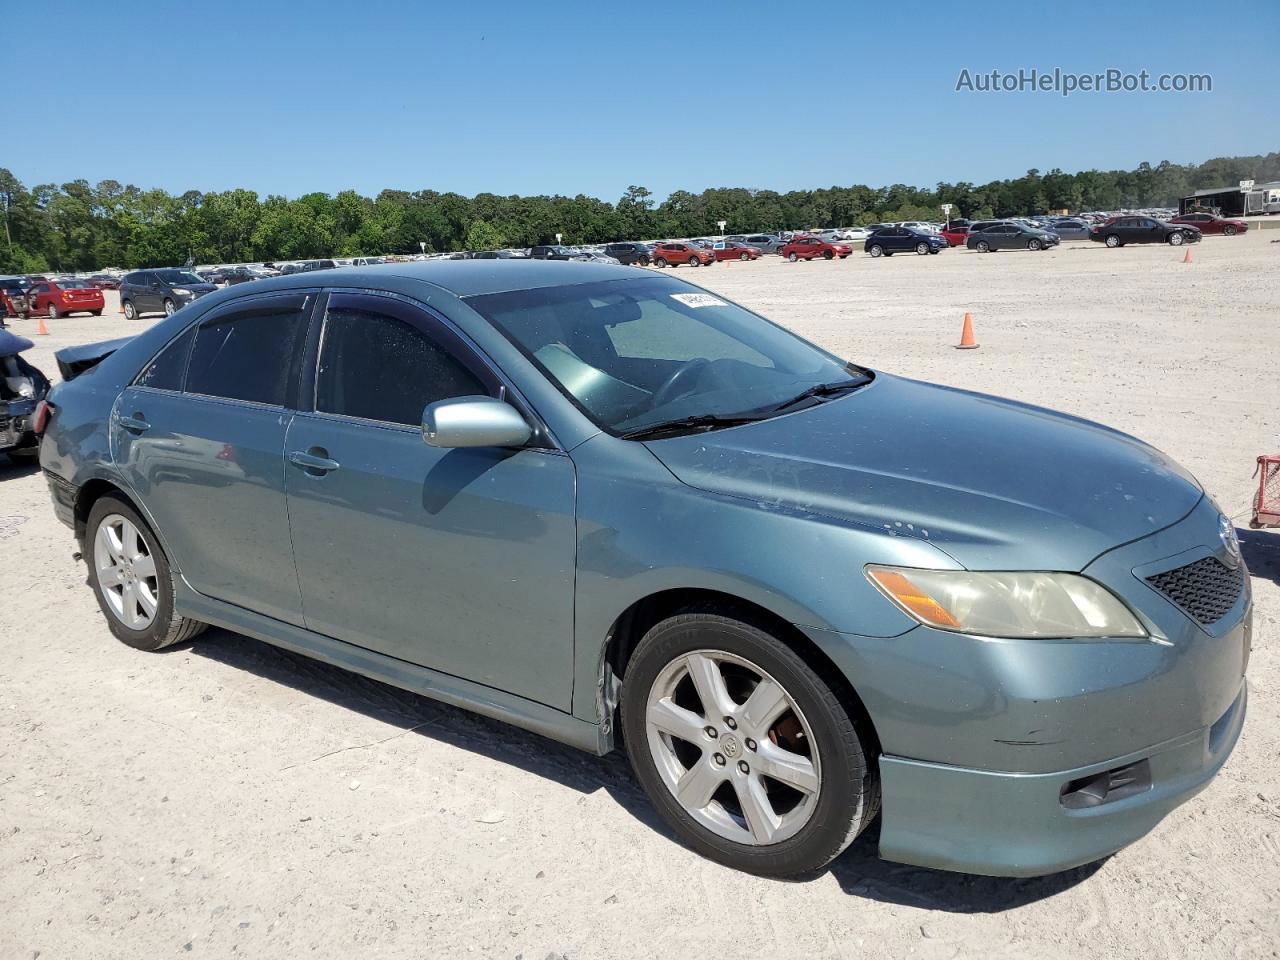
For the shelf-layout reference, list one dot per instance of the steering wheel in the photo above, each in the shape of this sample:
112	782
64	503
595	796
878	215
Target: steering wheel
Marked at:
680	382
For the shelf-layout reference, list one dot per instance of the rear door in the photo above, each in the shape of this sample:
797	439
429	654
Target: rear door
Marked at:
458	560
199	437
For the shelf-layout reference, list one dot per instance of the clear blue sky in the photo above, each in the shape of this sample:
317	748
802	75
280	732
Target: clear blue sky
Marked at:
563	97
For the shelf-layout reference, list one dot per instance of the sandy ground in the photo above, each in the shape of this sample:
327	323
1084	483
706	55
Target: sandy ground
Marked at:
228	798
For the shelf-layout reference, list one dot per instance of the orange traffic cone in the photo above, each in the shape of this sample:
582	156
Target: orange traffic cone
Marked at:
966	335
41	329
1187	256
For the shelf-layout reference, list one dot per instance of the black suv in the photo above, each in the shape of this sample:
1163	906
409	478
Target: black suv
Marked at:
160	291
630	253
552	251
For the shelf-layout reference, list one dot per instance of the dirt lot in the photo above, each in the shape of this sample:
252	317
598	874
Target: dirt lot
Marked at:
225	797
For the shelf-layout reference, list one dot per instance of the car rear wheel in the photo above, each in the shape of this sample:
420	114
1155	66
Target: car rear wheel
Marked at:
743	749
169	307
1113	241
1229	231
1034	244
130	311
1176	238
984	247
922	248
876	250
131	578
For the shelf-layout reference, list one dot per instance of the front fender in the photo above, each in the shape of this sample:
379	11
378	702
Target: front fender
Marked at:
642	532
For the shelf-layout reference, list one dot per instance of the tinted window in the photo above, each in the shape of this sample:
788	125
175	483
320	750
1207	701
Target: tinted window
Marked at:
380	367
248	355
166	370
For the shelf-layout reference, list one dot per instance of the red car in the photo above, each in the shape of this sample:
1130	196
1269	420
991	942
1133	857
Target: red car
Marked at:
806	248
62	297
674	254
956	236
1208	223
733	250
104	281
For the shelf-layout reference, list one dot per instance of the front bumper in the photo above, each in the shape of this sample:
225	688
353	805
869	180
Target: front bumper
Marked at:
1017	825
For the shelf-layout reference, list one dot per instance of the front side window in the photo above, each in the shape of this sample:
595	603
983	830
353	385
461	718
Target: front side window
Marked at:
376	363
249	354
166	371
631	353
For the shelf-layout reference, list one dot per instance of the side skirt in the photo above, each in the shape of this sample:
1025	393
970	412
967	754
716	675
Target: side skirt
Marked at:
476	697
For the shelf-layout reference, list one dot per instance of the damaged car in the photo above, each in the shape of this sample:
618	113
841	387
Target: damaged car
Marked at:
624	512
22	389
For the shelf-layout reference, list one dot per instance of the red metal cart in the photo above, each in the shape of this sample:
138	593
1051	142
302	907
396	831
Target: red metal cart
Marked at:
1266	506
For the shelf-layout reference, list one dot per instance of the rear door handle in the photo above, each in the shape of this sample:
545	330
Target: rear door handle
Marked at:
134	424
312	463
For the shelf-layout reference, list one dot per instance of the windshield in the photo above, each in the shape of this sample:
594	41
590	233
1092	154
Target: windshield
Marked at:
73	285
177	276
631	353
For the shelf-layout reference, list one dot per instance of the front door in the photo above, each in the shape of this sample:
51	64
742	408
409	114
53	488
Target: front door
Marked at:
459	560
200	439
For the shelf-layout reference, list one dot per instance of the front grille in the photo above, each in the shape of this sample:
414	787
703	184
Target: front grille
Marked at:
1204	590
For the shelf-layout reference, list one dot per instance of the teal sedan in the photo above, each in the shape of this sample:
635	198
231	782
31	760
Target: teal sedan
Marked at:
622	511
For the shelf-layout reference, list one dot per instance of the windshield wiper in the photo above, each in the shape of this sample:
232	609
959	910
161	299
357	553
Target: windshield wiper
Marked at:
822	390
707	421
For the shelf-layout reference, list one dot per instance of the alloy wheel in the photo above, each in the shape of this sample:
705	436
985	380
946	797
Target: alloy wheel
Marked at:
126	572
733	747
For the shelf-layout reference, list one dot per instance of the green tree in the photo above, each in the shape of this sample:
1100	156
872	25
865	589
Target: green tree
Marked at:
483	235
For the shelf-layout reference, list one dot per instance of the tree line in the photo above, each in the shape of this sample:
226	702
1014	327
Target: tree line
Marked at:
76	226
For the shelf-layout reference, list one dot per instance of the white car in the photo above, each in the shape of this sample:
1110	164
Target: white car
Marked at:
855	234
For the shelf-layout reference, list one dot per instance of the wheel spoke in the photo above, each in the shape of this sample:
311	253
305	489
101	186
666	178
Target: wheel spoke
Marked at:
144	566
757	810
698	783
763	707
130	540
790	768
676	721
709	683
146	600
111	536
110	577
129	605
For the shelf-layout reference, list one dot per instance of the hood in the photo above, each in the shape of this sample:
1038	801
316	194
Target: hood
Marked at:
994	483
73	361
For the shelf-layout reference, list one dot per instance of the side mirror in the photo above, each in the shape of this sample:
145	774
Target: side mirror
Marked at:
474	422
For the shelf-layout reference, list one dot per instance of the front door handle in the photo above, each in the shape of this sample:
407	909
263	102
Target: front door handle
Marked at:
134	424
312	462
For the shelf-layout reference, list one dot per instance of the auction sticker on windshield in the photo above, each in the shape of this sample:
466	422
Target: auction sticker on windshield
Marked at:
698	299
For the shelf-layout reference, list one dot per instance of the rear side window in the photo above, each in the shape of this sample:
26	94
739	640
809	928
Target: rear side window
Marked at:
376	363
248	355
166	370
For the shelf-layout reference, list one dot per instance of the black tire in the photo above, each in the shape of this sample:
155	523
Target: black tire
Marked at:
876	250
1176	239
166	628
660	262
793	256
643	261
53	312
1034	244
24	455
130	311
695	262
96	313
849	796
1229	231
983	247
744	257
922	248
170	308
1113	241
827	255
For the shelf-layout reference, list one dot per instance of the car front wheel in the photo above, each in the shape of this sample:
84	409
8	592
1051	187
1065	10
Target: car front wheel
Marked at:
131	578
1229	231
1034	244
922	249
1176	238
53	312
876	250
744	257
743	748
130	311
169	307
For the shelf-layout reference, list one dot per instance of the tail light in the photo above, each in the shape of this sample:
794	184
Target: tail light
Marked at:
43	414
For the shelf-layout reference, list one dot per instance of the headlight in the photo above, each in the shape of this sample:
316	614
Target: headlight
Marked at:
1017	605
25	389
182	291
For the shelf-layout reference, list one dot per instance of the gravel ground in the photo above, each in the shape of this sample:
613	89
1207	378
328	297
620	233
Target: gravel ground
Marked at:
227	798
